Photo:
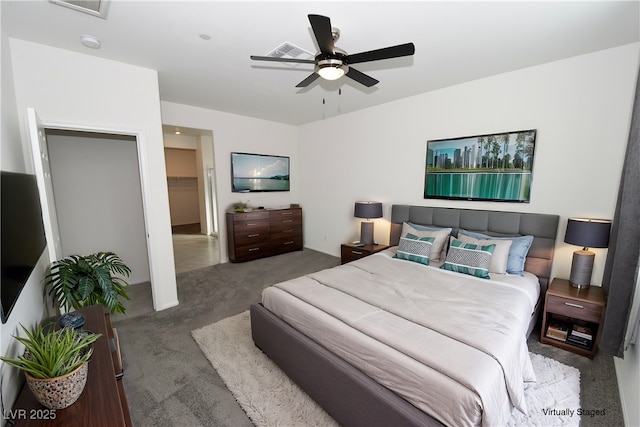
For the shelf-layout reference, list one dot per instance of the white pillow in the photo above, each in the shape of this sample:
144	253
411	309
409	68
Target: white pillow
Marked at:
500	255
439	246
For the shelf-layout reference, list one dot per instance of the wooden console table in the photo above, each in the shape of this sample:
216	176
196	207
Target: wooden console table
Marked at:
103	401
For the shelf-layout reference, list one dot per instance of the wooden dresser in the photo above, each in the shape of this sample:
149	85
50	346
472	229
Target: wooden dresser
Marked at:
263	233
103	401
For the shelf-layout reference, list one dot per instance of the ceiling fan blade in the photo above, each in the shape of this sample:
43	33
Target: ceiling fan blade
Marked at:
361	78
273	59
306	82
406	49
322	29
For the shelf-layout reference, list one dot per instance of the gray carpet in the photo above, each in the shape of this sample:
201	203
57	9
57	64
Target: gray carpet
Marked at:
169	382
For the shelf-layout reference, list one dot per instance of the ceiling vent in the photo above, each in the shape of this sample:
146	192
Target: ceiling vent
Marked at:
92	7
288	50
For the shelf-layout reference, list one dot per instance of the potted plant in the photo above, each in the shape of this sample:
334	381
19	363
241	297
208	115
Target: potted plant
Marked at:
55	363
79	281
239	206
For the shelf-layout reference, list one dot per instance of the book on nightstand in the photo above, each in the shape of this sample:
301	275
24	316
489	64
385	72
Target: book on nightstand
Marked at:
581	336
558	330
582	331
579	341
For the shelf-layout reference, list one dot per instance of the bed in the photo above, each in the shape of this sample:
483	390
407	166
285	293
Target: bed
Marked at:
386	340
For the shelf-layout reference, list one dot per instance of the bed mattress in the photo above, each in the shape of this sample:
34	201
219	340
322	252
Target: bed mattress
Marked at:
450	344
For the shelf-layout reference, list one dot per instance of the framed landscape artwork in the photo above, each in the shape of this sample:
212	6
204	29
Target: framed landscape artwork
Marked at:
493	167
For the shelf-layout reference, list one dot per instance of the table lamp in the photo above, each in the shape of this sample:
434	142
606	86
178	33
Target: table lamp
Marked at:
588	233
367	210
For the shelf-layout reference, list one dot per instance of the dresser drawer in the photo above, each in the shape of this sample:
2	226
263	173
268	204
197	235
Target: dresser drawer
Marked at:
251	226
348	254
285	222
285	213
251	237
250	216
258	250
287	227
286	244
574	308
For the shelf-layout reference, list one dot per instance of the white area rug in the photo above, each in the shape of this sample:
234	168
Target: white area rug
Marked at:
270	398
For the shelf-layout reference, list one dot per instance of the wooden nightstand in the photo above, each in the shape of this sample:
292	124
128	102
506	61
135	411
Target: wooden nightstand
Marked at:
349	252
566	306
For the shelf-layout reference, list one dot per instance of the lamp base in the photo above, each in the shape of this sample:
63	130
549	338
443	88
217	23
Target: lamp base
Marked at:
581	268
366	232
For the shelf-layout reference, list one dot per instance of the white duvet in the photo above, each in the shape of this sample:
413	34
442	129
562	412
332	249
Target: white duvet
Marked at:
450	344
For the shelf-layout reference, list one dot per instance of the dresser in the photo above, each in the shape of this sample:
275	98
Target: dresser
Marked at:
103	401
263	233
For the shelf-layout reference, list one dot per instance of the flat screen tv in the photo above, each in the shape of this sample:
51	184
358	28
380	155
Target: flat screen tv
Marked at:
259	173
23	238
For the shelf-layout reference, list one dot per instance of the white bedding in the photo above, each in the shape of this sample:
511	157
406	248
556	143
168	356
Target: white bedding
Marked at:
451	344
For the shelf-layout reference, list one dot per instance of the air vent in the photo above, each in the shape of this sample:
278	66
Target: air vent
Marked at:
92	7
288	50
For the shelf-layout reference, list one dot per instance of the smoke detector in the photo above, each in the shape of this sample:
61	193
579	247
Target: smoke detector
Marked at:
90	41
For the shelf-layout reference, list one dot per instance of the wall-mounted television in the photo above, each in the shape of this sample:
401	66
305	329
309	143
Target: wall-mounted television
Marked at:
259	173
23	238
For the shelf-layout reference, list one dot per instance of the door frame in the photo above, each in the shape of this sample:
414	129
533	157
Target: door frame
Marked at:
144	179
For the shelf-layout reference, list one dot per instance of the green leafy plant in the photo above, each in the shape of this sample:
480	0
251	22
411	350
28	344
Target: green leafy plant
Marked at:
52	354
78	281
239	206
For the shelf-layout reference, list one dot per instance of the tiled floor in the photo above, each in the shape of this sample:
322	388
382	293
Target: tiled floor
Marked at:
193	251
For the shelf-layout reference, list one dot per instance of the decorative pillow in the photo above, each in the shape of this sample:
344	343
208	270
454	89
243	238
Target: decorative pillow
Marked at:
414	248
468	258
500	254
440	235
517	253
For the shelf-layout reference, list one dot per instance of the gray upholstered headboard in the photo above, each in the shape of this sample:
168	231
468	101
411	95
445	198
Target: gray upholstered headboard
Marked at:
543	227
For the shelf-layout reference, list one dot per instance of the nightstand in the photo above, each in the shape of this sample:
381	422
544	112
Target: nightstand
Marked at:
572	318
349	252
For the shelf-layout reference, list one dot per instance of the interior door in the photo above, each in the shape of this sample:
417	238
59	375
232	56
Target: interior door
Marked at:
40	155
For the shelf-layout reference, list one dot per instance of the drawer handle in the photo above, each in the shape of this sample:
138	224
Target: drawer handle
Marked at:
253	249
254	235
287	213
573	305
288	231
287	220
356	252
289	243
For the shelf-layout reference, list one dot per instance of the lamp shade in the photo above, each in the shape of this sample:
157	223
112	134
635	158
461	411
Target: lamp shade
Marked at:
588	233
368	210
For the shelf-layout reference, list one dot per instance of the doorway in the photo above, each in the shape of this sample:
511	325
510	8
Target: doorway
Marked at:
192	197
96	181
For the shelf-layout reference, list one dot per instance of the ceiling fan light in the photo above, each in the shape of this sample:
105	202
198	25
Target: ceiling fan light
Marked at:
330	69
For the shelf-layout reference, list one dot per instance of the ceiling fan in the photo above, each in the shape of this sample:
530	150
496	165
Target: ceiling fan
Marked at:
332	62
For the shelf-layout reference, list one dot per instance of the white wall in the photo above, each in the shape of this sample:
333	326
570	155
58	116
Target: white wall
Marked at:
86	92
581	108
30	308
238	133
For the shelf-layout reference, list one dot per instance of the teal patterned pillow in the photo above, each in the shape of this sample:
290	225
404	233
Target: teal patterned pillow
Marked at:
468	258
414	248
